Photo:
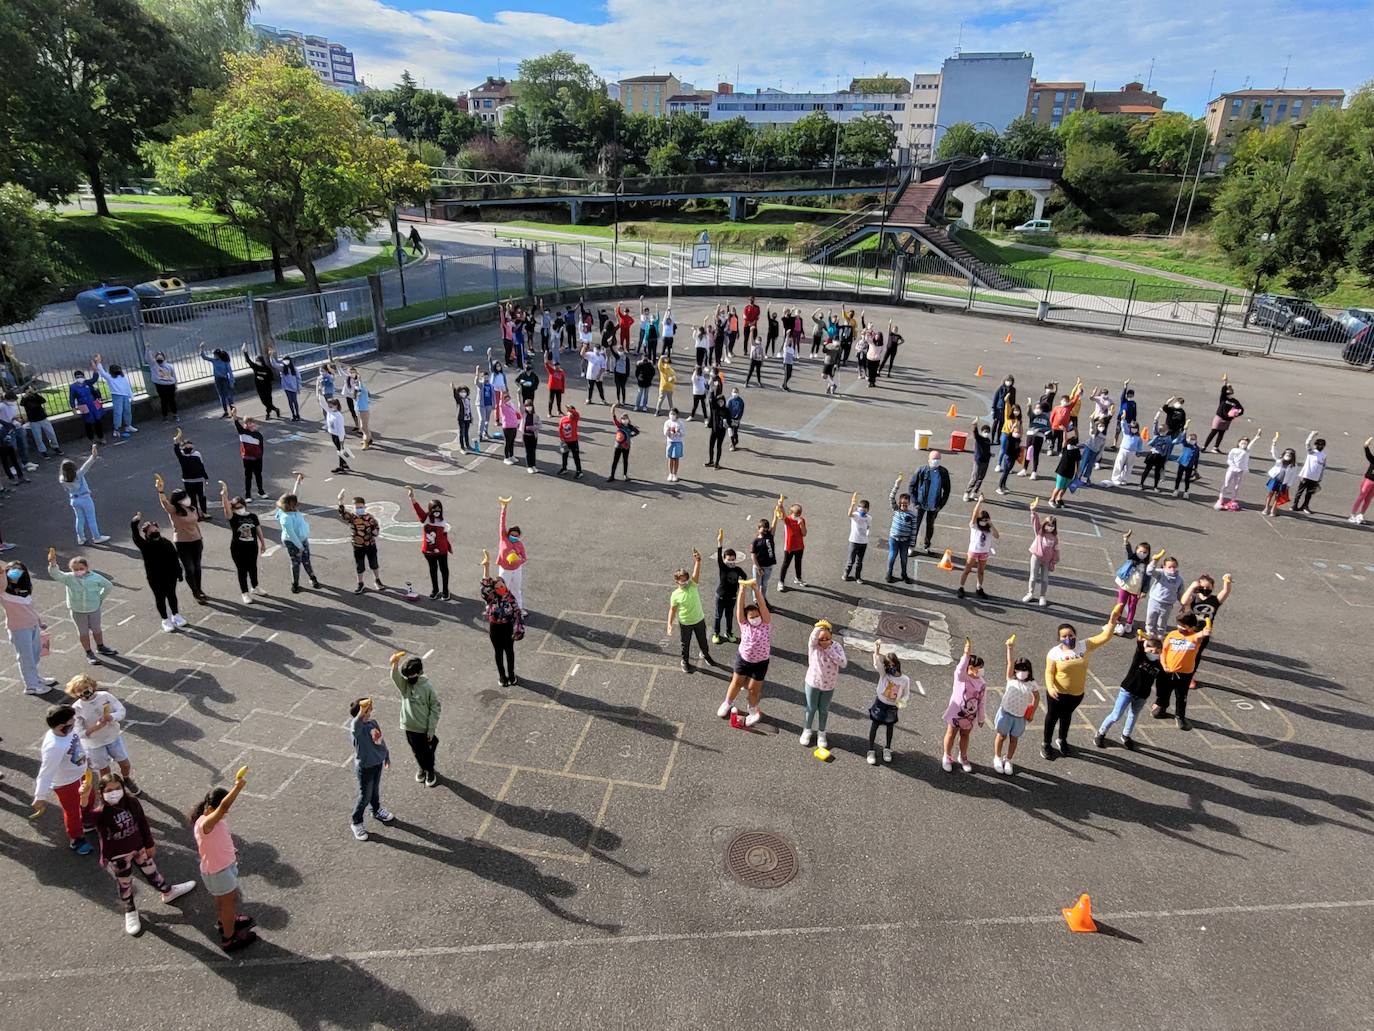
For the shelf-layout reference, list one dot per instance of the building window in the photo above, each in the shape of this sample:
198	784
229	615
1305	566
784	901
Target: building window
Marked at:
1058	111
1235	107
1059	97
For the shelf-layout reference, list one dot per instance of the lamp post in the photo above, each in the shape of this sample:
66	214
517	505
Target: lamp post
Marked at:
835	157
1298	127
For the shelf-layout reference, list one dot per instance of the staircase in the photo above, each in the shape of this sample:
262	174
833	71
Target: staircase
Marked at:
941	241
919	210
844	233
913	206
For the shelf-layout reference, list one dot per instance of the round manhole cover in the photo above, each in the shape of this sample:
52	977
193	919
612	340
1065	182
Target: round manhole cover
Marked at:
894	626
761	859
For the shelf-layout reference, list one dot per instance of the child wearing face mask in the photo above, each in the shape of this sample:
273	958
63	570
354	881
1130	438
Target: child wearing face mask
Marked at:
62	768
246	542
86	591
1178	661
504	626
1237	465
966	707
1044	555
25	628
511	557
1132	580
825	657
1130	445
364	528
1313	468
529	434
1283	476
1166	588
1135	689
486	401
434	542
98	715
729	577
860	523
1092	448
126	842
982	457
193	474
462	400
981	534
894	690
1188	456
161	566
1020	699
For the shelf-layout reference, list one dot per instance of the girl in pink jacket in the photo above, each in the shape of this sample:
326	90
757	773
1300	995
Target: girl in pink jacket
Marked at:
511	557
825	658
965	707
1044	552
509	417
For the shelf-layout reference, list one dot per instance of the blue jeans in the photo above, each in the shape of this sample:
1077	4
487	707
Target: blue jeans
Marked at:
897	550
1085	470
224	389
369	791
1127	705
762	575
86	528
123	411
485	411
28	643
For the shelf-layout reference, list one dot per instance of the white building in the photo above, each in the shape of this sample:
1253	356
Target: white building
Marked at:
983	89
769	107
332	62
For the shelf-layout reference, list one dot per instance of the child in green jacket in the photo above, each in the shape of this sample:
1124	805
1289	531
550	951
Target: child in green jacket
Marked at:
419	713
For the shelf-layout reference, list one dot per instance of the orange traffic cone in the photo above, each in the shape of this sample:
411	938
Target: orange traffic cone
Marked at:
953	412
1080	917
1008	340
979	372
947	562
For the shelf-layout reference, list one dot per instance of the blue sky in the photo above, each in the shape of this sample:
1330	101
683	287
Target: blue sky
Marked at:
811	44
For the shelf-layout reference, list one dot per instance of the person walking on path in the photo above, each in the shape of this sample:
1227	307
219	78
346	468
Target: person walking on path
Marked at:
755	648
370	758
62	769
126	842
364	529
186	536
434	543
504	624
419	713
193	473
246	542
929	490
684	607
295	535
1066	676
250	450
162	568
73	481
219	862
261	367
825	657
86	591
223	373
25	628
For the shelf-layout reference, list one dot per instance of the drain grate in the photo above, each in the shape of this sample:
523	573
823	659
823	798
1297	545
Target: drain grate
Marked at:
899	626
761	859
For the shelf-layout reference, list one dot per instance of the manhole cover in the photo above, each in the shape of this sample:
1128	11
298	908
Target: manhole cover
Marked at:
894	626
761	859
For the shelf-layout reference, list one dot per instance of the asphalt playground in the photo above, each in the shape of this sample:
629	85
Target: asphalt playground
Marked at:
571	870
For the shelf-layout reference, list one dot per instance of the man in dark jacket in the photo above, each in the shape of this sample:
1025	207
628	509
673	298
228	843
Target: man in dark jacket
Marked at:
929	490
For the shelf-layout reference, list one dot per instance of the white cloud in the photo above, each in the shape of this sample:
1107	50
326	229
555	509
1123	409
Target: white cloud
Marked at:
812	43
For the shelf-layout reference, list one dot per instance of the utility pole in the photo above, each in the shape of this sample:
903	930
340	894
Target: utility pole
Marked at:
1183	180
835	157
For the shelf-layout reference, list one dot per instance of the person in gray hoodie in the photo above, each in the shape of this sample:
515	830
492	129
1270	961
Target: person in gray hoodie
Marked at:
370	757
1166	588
419	713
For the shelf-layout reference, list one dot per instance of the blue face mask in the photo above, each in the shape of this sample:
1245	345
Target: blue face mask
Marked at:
14	575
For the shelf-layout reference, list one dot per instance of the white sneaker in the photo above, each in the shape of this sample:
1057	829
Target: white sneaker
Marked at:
872	758
821	741
178	890
946	763
753	717
1043	602
1359	518
30	466
531	470
1006	767
1217	506
1034	475
102	538
1000	490
1354	519
132	924
247	598
168	626
805	738
724	711
259	589
508	461
359	831
887	755
1028	598
1022	472
997	763
179	619
965	765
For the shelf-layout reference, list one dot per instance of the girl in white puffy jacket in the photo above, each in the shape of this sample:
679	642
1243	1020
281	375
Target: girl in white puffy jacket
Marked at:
1237	465
1283	476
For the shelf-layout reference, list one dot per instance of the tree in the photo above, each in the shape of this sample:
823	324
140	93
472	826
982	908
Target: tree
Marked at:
100	77
962	140
868	140
723	144
29	271
563	104
1028	140
209	29
293	161
812	139
667	159
1096	169
457	129
1109	130
1169	142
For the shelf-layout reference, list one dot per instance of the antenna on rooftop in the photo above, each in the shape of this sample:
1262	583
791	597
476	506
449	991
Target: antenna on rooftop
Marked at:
1286	62
1151	76
959	41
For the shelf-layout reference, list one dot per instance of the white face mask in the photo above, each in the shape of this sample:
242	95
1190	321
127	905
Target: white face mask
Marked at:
1022	674
114	795
755	620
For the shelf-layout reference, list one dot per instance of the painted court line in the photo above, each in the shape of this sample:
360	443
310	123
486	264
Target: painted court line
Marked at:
612	941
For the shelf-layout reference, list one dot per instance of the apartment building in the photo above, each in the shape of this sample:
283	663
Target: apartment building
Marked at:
765	108
1049	103
490	101
696	103
1132	100
986	88
1243	108
649	94
918	130
332	62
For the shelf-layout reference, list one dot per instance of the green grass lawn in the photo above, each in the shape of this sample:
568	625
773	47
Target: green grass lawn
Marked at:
774	227
294	280
88	248
1024	260
160	200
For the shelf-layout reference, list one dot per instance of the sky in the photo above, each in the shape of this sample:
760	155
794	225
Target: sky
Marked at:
452	45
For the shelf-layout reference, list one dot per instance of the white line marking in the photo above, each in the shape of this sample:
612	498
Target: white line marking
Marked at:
427	654
124	620
1262	705
576	667
601	942
1100	696
271	551
1279	575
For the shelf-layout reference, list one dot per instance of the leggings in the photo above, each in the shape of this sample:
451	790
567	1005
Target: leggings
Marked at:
508	432
465	434
265	396
1059	712
621	378
595	384
873	733
725	613
786	375
1363	499
167	397
122	869
164	597
86	527
252	470
1184	476
817	708
245	558
1175	684
698	399
531	447
1218	431
622	457
1126	598
715	446
190	554
555	398
423	748
503	645
1032	458
339	453
438	566
788	557
1039	577
572	449
755	370
1153	464
293	402
300	556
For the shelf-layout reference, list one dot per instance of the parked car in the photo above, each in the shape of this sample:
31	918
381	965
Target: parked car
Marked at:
1035	225
163	299
1295	316
108	309
1355	319
1360	349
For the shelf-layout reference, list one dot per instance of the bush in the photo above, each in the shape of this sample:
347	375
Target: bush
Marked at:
555	163
492	155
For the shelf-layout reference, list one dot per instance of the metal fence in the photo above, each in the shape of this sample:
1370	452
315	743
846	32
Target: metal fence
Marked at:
311	328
